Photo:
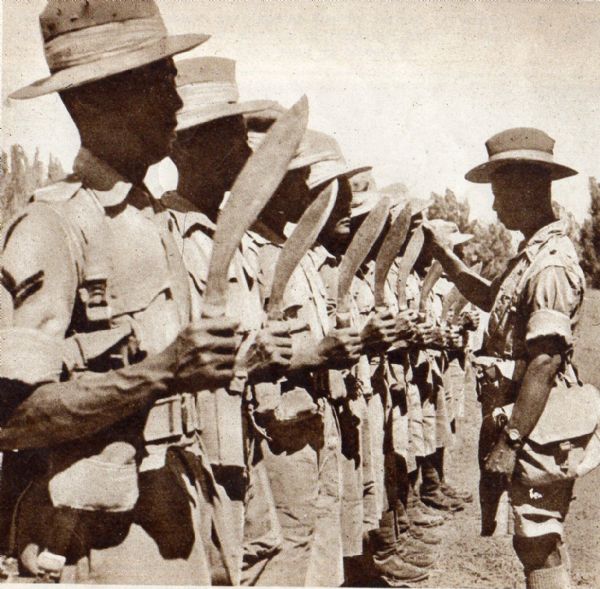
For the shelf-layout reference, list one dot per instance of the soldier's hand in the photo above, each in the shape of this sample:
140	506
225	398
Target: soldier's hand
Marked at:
269	355
205	353
455	337
433	239
469	320
502	459
341	348
444	335
379	332
424	333
406	323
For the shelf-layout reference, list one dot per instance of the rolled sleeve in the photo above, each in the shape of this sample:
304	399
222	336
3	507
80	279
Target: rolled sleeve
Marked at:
552	303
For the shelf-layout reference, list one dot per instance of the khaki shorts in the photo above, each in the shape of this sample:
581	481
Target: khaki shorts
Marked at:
416	441
542	510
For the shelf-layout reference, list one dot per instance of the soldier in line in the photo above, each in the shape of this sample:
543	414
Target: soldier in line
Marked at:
97	326
398	557
451	345
209	152
356	472
304	451
534	308
426	374
400	385
329	514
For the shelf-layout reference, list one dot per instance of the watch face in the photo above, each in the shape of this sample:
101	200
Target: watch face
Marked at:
514	436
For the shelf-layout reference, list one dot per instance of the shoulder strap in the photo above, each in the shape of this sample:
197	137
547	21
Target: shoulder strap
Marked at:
83	214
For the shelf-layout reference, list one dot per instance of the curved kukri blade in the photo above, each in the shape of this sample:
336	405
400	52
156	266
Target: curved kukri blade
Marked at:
302	238
253	188
389	251
358	250
407	262
433	275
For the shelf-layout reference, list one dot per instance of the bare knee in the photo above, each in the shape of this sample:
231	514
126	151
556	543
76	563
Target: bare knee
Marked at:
541	552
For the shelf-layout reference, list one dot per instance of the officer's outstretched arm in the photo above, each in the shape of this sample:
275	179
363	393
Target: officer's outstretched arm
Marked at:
474	288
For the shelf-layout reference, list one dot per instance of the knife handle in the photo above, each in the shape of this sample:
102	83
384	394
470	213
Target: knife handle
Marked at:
212	311
343	320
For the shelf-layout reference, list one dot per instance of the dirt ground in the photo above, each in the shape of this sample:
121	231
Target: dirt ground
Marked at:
467	559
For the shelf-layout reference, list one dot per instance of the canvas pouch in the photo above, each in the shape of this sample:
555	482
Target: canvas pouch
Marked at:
565	443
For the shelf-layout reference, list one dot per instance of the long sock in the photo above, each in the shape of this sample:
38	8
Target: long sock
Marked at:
439	462
553	578
431	480
403	480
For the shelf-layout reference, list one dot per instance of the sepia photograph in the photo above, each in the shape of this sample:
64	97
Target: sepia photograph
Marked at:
300	293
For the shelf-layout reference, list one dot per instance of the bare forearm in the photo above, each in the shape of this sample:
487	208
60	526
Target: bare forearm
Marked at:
533	394
474	288
64	411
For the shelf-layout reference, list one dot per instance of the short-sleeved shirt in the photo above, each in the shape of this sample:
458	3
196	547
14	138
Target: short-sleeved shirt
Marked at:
223	436
539	295
92	228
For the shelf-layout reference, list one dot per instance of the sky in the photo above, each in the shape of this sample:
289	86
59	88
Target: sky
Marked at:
412	88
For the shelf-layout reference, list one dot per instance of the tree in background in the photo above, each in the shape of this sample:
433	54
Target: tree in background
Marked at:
572	226
21	177
590	238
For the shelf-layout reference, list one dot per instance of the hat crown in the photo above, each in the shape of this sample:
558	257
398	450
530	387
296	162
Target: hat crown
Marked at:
520	138
206	70
65	16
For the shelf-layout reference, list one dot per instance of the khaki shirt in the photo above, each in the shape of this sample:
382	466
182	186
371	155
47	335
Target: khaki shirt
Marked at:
220	410
94	225
539	295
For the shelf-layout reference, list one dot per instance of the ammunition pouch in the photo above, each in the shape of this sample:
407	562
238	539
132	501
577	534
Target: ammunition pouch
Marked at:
106	482
565	443
497	381
172	418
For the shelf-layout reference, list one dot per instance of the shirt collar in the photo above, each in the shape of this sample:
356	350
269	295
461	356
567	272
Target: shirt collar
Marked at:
534	244
321	256
264	235
186	214
108	185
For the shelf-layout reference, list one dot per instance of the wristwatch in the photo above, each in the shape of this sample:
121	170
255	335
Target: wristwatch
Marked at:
513	437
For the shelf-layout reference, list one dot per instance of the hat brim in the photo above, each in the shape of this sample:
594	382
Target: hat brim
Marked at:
370	199
482	174
345	173
417	206
79	75
305	160
213	112
459	238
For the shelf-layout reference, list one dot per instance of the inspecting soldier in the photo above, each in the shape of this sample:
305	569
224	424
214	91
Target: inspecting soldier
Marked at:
534	308
98	328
